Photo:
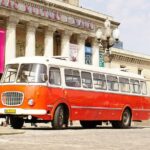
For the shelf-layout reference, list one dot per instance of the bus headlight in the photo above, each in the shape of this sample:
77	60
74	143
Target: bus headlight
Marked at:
31	102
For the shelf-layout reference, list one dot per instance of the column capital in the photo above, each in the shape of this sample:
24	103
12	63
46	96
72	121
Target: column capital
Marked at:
12	21
82	37
50	30
95	42
32	25
67	33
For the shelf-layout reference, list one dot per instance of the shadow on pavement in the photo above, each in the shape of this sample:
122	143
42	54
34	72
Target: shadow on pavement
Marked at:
80	128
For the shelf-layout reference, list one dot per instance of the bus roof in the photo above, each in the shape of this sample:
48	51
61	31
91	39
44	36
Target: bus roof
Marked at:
66	63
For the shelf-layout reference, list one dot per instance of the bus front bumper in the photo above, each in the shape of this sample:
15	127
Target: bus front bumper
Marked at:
20	111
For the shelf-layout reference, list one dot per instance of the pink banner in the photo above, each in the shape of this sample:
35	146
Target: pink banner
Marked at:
2	49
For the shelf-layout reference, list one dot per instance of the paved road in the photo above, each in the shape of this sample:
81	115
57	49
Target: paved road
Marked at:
76	138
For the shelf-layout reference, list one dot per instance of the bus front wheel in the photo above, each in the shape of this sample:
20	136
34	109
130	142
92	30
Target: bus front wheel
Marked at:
125	121
16	122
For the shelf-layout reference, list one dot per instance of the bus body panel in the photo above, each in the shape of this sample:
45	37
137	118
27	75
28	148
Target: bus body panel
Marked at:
82	104
104	106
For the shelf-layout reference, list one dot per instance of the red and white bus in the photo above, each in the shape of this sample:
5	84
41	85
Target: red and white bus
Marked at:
40	89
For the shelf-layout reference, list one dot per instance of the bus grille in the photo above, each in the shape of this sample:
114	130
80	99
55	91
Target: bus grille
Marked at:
12	98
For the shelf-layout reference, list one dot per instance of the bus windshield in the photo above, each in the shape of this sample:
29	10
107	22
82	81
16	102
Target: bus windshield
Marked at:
10	73
28	73
32	73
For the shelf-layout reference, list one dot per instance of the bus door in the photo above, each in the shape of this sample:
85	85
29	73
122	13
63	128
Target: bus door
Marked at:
55	85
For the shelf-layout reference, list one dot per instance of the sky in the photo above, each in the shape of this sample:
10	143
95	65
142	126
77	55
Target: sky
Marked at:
134	16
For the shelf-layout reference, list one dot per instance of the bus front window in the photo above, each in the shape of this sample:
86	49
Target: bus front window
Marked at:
10	73
32	73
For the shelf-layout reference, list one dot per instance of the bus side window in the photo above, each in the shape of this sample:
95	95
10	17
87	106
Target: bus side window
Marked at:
54	76
124	85
86	79
72	78
143	87
99	81
135	86
112	82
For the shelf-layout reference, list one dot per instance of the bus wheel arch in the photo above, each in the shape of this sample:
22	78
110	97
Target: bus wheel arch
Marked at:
61	116
125	121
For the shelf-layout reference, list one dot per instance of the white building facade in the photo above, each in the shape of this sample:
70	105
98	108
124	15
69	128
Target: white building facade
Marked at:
50	28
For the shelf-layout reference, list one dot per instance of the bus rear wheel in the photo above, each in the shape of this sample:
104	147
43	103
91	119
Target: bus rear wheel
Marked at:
59	117
88	124
125	122
16	122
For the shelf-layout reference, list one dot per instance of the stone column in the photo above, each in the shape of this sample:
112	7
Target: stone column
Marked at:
30	39
10	50
95	56
49	41
65	43
81	44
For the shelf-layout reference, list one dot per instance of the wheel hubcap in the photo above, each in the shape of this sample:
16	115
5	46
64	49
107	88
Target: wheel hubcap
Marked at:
126	118
61	117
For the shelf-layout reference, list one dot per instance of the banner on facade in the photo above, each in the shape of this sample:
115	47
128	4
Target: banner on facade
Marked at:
73	52
101	59
51	14
2	49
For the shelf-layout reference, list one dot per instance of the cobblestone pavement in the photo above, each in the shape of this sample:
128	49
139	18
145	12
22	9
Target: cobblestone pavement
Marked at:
76	138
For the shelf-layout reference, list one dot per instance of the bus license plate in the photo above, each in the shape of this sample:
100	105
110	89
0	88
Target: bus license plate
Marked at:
10	111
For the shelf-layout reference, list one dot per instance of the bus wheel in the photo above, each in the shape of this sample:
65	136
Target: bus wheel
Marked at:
16	122
59	118
125	122
88	124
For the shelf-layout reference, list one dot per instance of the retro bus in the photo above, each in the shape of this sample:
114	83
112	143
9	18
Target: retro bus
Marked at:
41	89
